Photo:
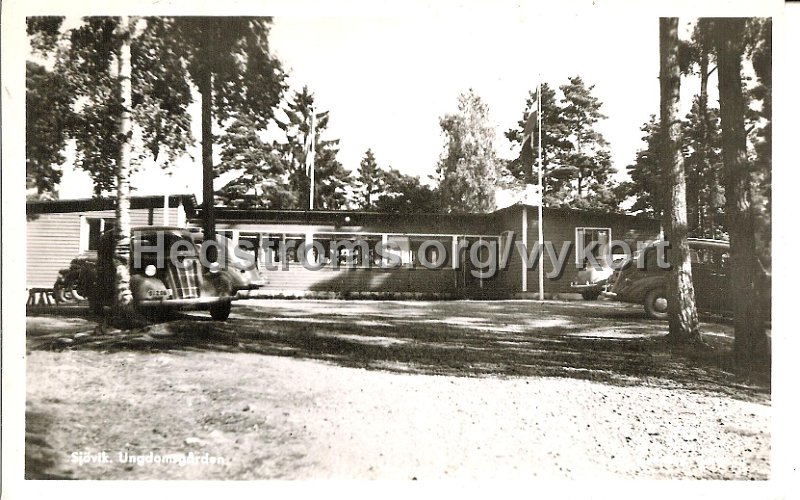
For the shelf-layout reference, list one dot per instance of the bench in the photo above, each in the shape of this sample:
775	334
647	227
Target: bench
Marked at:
41	297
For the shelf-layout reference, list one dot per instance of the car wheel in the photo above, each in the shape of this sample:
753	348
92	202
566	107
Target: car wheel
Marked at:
590	295
655	303
220	311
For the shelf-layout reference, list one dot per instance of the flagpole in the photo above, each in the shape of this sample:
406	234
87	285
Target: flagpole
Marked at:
541	191
310	164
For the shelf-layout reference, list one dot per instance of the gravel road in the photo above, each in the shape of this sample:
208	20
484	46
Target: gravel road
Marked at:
277	417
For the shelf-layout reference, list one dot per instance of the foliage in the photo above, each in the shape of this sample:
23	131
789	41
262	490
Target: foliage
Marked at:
84	61
701	145
645	181
701	142
555	143
273	173
48	112
368	183
406	194
263	176
590	155
468	168
234	53
701	148
554	133
576	163
759	50
332	178
168	55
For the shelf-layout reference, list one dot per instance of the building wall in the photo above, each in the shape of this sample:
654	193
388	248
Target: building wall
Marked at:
559	227
446	280
507	227
54	239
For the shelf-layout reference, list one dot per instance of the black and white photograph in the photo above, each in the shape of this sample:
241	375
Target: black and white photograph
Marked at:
417	242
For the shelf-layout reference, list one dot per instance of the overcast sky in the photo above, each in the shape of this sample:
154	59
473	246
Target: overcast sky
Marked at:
387	80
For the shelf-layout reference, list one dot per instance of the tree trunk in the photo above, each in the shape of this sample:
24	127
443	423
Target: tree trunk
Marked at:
683	323
122	278
707	179
206	139
699	176
751	347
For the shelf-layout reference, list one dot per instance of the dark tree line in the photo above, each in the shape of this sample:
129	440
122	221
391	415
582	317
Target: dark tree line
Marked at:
695	156
576	160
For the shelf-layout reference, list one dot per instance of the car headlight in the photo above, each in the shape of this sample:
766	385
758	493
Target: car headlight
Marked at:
150	270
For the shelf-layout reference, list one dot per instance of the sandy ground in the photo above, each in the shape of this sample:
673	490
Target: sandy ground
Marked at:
370	406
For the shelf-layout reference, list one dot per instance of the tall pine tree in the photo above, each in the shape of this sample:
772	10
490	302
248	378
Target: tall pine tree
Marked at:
369	183
751	345
555	144
683	321
589	155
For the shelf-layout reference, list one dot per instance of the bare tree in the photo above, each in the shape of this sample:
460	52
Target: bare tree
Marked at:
683	322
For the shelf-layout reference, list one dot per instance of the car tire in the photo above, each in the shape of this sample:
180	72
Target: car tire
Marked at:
220	311
655	303
590	295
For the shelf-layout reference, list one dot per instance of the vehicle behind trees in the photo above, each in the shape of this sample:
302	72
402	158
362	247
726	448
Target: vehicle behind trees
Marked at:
169	273
642	281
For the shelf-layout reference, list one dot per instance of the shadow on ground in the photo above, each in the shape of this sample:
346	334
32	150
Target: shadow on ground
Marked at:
600	341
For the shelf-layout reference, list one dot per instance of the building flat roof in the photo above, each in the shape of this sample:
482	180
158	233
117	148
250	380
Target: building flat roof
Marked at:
97	204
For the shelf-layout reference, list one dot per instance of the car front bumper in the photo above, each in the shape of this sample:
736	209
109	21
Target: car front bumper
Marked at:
182	303
587	287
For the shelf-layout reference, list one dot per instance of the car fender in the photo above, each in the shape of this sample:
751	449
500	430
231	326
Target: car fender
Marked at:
141	285
636	289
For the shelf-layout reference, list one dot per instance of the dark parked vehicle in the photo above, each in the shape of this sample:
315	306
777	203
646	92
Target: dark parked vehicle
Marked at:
646	283
591	281
179	281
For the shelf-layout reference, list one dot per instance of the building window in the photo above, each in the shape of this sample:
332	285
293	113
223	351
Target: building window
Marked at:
399	247
250	243
594	239
294	244
95	227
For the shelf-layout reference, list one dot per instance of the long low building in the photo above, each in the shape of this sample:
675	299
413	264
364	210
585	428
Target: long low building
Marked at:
422	255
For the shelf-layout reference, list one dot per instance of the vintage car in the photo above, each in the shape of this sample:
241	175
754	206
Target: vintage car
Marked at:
591	281
642	281
169	274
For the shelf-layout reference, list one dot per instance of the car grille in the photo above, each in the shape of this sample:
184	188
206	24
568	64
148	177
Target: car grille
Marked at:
185	280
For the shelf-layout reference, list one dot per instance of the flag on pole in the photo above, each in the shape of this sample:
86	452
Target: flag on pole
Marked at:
310	153
530	125
526	155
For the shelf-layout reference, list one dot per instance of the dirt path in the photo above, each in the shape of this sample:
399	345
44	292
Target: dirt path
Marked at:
271	417
304	389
